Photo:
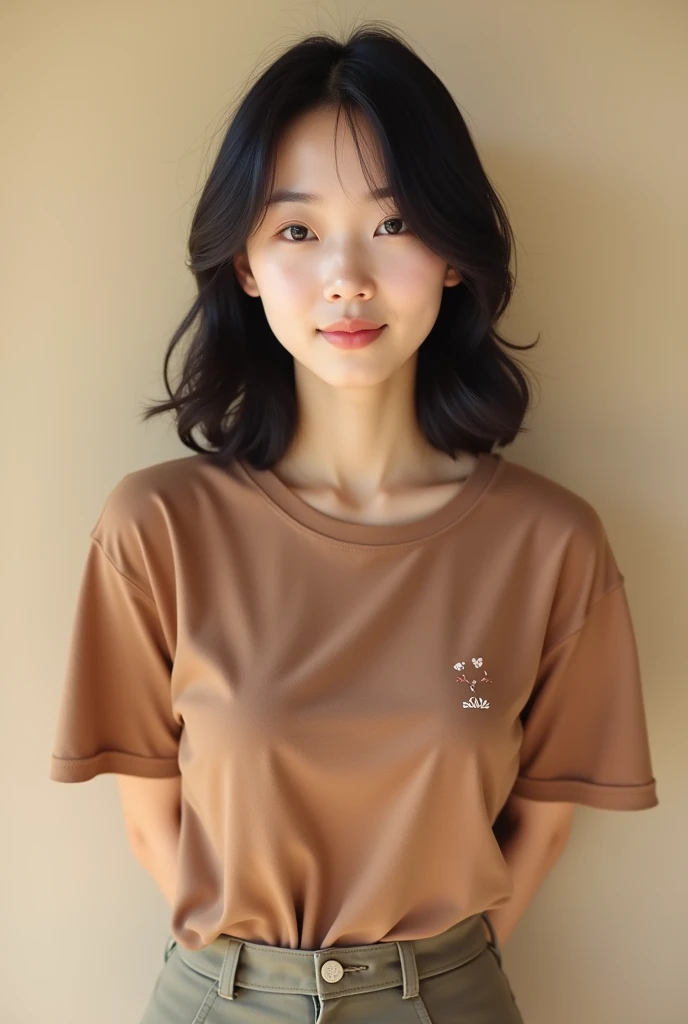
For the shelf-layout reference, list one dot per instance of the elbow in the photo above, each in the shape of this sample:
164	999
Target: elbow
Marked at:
138	846
559	841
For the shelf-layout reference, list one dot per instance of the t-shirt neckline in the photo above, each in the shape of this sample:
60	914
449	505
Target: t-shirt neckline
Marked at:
377	533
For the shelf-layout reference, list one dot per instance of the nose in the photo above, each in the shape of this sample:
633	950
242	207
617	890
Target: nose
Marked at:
349	287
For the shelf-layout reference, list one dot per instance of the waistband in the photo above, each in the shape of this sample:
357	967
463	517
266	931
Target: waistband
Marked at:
337	971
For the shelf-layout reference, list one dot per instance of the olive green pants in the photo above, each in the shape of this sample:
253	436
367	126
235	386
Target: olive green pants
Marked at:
446	978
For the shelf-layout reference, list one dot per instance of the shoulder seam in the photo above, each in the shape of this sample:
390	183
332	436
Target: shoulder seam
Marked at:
573	632
124	576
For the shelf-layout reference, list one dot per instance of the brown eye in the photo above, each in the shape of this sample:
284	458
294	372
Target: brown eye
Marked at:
299	227
394	220
302	227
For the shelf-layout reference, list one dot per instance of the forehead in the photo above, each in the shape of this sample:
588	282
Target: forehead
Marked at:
315	166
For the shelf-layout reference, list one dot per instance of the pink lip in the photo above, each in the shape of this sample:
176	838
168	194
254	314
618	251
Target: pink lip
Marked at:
352	339
351	323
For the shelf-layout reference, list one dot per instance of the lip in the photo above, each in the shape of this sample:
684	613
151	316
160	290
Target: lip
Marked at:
352	339
351	324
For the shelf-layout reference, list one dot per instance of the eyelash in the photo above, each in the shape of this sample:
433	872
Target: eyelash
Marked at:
296	241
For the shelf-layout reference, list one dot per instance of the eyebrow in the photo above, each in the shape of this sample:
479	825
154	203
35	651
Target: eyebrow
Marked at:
286	195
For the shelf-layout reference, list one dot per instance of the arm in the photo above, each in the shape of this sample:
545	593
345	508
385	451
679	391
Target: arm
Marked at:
159	858
152	814
536	833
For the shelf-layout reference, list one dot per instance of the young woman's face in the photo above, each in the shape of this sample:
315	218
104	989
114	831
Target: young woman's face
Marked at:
312	263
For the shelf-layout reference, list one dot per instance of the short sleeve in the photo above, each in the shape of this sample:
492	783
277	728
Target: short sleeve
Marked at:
115	713
585	738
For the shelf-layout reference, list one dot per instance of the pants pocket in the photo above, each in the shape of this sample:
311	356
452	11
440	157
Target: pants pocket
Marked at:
498	957
476	992
181	995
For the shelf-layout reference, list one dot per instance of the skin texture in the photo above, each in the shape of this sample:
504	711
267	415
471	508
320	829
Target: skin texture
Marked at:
358	450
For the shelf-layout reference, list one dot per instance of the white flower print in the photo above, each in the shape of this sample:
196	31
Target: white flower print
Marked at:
474	702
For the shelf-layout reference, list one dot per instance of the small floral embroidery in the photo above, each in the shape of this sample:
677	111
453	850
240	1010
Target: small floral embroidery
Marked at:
474	702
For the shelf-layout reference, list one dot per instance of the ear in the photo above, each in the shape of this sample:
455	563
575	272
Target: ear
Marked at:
452	277
242	269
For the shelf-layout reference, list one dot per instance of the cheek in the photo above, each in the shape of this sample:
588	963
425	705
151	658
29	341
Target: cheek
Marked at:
287	295
285	284
415	278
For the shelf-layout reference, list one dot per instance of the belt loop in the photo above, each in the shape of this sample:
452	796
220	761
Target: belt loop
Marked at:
169	946
409	969
494	943
228	970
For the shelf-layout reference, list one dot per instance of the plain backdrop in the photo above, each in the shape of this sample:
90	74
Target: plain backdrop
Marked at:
110	114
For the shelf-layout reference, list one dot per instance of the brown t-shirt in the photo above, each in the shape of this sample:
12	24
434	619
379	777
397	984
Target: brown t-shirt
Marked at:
350	705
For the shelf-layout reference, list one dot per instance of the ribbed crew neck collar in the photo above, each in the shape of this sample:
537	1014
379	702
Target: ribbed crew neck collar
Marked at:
366	534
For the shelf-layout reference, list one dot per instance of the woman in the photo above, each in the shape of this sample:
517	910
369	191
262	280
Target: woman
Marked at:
333	655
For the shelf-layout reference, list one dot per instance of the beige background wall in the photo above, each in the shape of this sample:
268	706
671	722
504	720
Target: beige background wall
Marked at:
109	113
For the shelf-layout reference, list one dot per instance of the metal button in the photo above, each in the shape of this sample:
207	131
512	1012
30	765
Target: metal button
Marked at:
332	971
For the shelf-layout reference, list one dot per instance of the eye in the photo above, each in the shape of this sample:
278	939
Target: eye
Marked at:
388	220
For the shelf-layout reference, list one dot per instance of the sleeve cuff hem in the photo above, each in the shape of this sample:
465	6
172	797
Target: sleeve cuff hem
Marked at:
590	794
82	769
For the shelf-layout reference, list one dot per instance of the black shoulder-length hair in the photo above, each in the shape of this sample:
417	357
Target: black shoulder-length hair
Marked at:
237	383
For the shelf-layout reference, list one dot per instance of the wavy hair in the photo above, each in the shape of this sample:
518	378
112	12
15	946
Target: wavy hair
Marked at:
237	383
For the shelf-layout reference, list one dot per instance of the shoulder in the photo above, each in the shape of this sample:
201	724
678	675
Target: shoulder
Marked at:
566	529
138	513
132	499
150	512
551	510
547	502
